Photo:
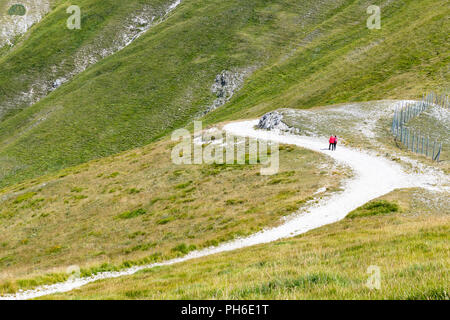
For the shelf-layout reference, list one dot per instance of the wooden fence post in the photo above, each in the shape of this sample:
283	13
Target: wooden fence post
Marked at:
423	143
417	142
434	148
408	134
438	153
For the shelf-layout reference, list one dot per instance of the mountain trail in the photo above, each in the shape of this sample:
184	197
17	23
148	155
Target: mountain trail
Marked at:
374	176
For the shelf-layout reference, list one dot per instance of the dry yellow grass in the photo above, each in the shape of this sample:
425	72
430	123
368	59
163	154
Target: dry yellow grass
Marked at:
410	247
139	207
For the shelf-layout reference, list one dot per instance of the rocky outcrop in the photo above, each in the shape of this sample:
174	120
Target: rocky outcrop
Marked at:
272	120
226	84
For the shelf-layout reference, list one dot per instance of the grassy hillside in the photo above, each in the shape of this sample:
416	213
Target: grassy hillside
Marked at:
405	234
16	17
85	172
51	54
305	54
138	207
146	90
341	60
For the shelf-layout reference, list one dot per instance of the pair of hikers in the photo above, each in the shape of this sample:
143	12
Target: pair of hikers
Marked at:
333	142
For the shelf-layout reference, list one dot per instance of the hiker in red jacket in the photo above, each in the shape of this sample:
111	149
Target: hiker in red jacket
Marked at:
335	142
331	143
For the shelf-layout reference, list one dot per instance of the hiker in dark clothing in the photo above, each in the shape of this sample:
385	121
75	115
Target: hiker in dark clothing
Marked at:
335	142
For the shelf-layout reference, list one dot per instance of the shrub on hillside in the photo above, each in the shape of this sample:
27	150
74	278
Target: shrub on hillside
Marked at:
374	208
131	214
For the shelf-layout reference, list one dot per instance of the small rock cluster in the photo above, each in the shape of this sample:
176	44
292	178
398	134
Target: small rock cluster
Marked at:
224	87
272	120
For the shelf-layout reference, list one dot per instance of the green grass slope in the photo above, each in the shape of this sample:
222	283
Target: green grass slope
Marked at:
50	51
342	61
307	53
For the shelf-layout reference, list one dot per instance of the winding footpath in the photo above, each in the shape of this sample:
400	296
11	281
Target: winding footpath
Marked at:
374	176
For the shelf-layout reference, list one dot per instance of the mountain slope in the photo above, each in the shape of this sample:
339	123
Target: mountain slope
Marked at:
343	61
74	190
50	54
156	84
301	54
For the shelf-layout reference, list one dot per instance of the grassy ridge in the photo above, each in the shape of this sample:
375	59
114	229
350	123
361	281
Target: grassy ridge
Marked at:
51	51
401	234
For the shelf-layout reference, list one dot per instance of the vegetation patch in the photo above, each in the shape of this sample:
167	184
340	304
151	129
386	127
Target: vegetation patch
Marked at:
134	191
184	248
374	208
174	209
141	247
231	202
17	10
54	249
131	214
165	220
183	185
24	197
431	294
303	282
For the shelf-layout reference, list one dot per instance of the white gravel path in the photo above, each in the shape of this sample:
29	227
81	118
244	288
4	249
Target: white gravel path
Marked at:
373	177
